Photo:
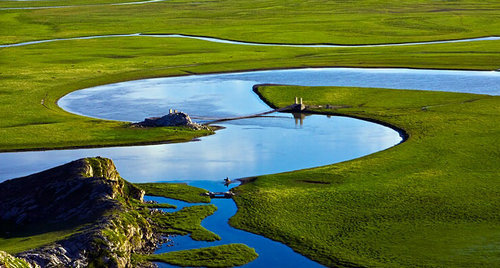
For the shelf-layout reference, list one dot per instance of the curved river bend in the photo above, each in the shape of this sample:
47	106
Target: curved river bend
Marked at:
246	147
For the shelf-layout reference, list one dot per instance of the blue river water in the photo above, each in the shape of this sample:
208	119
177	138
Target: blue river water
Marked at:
229	94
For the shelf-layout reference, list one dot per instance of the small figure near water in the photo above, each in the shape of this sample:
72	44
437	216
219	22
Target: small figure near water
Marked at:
227	181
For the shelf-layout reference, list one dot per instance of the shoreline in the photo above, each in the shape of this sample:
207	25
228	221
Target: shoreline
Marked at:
402	133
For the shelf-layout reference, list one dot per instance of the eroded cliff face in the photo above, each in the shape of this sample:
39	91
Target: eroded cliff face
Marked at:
89	194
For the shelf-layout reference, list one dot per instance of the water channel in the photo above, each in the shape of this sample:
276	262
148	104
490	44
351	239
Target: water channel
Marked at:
271	253
249	147
235	42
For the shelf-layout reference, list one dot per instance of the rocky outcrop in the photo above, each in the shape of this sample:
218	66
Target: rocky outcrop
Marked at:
87	192
67	193
170	120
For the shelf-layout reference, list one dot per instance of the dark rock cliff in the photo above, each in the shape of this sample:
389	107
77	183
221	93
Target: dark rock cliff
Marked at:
87	194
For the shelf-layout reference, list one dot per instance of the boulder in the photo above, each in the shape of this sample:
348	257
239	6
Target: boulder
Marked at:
170	120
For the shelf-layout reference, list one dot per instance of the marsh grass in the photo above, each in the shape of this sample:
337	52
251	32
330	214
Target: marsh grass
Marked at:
218	256
179	191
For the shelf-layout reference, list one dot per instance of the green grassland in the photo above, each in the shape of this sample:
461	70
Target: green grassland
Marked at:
179	191
293	21
187	220
430	201
218	256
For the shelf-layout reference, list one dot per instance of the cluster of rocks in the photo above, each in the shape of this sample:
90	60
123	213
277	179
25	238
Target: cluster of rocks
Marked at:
172	119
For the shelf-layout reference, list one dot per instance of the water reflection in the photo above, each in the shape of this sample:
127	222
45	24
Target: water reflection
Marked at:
244	148
299	118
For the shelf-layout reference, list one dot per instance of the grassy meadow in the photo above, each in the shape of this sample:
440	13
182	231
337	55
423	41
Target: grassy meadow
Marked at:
179	191
431	201
218	256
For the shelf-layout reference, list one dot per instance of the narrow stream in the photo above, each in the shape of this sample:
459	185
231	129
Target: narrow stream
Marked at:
271	253
235	42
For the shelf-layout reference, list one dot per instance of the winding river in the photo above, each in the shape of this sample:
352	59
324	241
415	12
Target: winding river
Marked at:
271	253
236	42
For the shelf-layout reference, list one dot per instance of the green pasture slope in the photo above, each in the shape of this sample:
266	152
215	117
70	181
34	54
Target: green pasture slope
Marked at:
430	201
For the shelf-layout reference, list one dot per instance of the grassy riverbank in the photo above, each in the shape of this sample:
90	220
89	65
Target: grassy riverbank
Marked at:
34	77
431	201
218	256
179	191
